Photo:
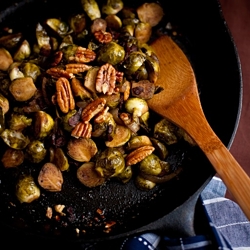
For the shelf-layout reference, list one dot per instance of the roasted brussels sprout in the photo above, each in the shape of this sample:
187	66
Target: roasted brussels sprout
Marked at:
15	139
110	163
77	23
23	89
91	8
23	52
112	7
19	122
120	136
81	149
98	24
150	165
113	22
138	141
14	71
43	124
5	59
143	32
126	175
144	184
88	175
31	70
60	159
12	158
66	120
151	13
27	190
134	61
111	53
11	41
50	177
59	27
165	131
136	106
35	151
43	40
4	104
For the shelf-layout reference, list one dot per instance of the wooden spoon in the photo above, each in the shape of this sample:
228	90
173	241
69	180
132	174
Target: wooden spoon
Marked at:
179	102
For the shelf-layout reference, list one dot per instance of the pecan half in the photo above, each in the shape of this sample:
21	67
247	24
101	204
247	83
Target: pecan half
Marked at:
138	155
93	109
83	55
56	58
76	68
106	79
102	116
103	36
64	96
82	129
58	72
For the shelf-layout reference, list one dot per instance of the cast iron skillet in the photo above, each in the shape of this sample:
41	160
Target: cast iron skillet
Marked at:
204	37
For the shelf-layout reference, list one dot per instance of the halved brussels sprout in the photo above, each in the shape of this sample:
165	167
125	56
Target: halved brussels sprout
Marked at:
120	136
5	59
112	7
23	51
59	27
23	89
31	70
91	8
113	22
12	158
14	71
27	190
77	23
4	104
15	139
144	184
138	141
143	32
50	177
43	124
151	13
81	149
136	106
35	151
60	159
11	41
19	122
88	175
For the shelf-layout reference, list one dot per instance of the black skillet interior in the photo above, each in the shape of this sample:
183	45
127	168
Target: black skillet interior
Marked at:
202	34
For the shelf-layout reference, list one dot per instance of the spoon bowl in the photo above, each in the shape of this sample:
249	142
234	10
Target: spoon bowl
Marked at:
179	102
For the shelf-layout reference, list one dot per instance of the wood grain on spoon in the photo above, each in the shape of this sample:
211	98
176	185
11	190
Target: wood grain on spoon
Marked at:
179	102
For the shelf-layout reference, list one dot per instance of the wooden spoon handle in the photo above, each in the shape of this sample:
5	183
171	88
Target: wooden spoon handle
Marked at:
188	114
233	176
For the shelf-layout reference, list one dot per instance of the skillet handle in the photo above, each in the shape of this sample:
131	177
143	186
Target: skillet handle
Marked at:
234	177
